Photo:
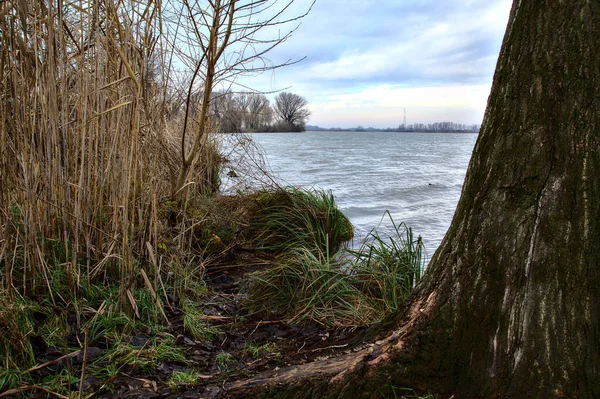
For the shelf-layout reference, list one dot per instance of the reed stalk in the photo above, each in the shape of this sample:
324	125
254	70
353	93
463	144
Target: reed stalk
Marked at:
88	152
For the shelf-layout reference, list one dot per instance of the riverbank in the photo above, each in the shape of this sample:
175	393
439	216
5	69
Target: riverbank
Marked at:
270	290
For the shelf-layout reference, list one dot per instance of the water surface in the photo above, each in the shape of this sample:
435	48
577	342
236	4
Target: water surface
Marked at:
416	176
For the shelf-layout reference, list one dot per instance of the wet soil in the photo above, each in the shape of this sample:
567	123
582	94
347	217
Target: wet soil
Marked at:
244	346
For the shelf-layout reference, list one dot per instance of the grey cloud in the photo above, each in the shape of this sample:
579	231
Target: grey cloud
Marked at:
402	29
352	45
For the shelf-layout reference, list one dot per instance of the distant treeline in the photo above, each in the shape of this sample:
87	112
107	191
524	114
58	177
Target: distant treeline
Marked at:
438	127
252	112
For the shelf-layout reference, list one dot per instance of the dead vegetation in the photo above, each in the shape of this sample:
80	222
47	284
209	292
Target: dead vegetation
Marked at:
121	267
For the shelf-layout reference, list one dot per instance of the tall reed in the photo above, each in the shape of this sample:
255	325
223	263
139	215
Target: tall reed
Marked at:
88	151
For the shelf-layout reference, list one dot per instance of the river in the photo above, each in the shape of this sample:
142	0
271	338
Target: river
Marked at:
417	177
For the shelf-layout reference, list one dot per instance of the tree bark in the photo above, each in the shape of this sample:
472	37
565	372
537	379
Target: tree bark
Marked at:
509	307
518	273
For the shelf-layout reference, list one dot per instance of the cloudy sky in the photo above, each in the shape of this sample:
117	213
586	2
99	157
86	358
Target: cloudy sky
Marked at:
368	60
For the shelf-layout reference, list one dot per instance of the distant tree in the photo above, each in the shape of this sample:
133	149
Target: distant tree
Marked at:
228	112
243	103
292	110
258	113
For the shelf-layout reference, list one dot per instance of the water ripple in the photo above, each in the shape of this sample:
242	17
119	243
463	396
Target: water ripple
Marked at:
416	176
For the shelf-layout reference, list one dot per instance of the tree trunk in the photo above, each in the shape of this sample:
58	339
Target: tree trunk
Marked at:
510	305
518	273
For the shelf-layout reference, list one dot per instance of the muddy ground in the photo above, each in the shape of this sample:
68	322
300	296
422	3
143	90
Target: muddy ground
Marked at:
244	346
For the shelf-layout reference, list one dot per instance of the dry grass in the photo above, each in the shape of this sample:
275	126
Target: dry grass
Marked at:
96	217
88	152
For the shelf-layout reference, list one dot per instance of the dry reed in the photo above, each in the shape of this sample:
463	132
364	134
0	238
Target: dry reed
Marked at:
88	151
106	149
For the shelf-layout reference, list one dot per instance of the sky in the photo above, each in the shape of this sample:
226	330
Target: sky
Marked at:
368	60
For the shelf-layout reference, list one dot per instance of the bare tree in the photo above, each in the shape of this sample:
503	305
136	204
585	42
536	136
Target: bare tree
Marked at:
227	112
234	113
219	41
243	103
258	112
292	110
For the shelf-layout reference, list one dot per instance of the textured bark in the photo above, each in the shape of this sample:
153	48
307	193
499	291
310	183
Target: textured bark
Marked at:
510	305
518	273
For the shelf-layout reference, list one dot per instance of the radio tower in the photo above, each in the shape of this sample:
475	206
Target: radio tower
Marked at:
404	123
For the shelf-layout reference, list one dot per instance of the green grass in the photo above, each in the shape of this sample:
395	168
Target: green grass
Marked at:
107	372
151	355
194	325
223	359
255	351
388	265
186	378
293	217
307	289
106	321
350	288
10	378
99	319
17	326
54	329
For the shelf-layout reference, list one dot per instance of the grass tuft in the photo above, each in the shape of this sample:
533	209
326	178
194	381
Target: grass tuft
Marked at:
194	325
309	289
299	218
387	266
255	351
150	356
350	288
10	378
183	378
223	359
17	327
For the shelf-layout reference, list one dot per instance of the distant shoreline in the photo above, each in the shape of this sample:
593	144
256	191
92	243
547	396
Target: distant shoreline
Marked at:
392	131
376	131
437	127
